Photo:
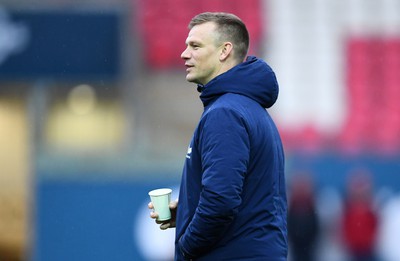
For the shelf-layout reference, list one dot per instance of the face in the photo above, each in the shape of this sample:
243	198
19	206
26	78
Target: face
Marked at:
202	55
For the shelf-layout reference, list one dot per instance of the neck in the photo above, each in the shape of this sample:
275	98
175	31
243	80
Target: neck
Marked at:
226	66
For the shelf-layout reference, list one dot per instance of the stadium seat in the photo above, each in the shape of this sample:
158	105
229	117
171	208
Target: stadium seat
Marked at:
162	26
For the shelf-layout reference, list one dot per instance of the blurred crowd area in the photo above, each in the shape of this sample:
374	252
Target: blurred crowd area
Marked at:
94	92
361	222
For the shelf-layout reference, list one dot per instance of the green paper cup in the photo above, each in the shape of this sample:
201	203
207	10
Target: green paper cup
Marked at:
160	199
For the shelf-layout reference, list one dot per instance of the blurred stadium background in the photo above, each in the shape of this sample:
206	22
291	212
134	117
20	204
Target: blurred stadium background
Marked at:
95	111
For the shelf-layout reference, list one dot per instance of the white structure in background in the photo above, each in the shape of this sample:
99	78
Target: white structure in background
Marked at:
389	237
305	44
14	37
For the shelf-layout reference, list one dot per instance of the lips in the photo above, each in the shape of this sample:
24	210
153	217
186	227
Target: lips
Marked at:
188	67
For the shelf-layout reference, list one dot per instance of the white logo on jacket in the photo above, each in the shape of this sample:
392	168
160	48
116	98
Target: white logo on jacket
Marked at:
189	152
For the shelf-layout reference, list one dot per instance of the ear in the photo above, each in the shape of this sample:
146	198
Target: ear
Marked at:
226	50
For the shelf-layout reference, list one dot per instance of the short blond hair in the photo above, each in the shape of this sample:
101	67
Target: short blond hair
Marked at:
230	28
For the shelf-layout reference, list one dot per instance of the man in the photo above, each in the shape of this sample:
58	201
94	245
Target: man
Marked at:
232	199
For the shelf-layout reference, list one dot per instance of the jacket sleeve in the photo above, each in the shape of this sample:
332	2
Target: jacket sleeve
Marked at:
224	146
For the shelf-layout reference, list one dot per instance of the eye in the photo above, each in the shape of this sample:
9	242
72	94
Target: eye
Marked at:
195	46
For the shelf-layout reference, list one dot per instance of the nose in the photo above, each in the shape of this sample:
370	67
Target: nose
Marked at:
185	54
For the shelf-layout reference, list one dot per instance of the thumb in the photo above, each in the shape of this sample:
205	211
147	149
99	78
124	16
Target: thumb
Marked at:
173	204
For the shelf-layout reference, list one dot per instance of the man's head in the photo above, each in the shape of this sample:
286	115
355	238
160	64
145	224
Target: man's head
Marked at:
216	42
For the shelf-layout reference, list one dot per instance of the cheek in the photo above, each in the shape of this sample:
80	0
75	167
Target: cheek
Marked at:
204	62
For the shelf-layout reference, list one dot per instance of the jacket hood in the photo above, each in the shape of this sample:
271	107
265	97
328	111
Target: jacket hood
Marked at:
253	78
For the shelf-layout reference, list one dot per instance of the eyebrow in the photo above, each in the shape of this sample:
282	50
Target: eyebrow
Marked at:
192	43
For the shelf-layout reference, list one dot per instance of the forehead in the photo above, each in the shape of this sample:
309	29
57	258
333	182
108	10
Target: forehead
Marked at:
202	33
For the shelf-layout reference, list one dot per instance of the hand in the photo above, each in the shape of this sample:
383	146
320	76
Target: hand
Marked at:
171	223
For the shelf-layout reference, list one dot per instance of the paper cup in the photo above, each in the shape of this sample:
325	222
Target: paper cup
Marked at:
161	199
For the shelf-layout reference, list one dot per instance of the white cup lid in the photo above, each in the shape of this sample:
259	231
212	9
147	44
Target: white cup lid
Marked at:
160	192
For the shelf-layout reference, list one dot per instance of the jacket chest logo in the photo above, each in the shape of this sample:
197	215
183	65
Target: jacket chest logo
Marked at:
189	152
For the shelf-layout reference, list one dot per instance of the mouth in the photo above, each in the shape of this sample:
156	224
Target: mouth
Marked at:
188	67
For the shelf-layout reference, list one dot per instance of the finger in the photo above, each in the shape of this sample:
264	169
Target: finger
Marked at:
164	226
173	204
153	215
150	205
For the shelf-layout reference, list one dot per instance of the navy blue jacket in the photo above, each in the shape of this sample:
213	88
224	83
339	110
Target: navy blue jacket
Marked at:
232	199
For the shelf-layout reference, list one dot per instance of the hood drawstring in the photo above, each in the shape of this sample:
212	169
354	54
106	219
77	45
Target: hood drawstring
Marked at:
200	88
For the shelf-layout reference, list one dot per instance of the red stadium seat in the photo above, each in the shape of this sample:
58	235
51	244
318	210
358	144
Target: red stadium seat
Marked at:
162	26
374	92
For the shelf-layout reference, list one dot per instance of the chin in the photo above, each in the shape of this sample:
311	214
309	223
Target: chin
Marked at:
191	79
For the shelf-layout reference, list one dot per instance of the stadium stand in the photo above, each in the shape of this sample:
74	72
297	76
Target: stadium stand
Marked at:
162	25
